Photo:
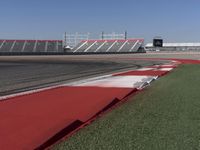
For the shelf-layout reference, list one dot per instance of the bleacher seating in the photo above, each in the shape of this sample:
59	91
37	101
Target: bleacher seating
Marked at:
31	46
78	45
117	46
137	46
1	43
84	47
18	46
96	46
108	46
52	46
132	45
41	46
56	46
60	46
6	46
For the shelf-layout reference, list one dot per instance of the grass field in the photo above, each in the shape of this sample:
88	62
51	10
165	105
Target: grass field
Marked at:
166	115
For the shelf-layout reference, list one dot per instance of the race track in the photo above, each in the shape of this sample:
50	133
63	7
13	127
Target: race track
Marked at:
22	73
84	99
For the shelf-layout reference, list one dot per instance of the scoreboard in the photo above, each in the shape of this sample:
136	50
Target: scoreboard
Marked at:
158	42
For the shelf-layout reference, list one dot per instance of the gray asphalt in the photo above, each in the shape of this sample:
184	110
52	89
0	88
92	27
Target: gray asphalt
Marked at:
19	74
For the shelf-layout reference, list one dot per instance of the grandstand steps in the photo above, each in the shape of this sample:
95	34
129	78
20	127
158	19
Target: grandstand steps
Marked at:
19	47
108	46
30	46
6	47
116	47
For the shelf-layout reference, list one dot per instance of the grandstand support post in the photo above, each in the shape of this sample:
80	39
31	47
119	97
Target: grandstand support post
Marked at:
65	39
125	35
23	48
2	44
76	38
11	49
46	46
102	35
35	46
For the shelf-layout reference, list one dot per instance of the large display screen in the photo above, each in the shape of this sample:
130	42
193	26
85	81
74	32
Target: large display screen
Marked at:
158	42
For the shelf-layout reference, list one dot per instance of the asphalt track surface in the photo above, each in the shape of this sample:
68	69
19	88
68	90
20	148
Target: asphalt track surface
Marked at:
23	73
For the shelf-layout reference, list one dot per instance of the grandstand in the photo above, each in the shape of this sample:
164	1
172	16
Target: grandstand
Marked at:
30	46
108	46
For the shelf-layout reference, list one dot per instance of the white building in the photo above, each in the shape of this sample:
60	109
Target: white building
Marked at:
175	47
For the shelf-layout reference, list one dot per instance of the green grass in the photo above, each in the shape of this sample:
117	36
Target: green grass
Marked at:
165	116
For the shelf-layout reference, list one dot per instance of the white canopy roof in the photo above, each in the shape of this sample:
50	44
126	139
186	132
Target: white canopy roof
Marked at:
175	44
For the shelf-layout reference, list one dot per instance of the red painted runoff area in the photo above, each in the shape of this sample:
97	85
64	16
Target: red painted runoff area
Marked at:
29	121
143	73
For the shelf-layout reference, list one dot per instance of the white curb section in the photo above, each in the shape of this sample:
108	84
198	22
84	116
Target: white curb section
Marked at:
120	81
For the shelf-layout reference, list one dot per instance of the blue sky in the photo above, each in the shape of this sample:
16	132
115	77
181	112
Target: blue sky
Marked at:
174	20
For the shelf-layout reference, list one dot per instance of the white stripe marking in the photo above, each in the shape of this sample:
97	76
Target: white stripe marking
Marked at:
145	69
169	66
165	69
120	81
